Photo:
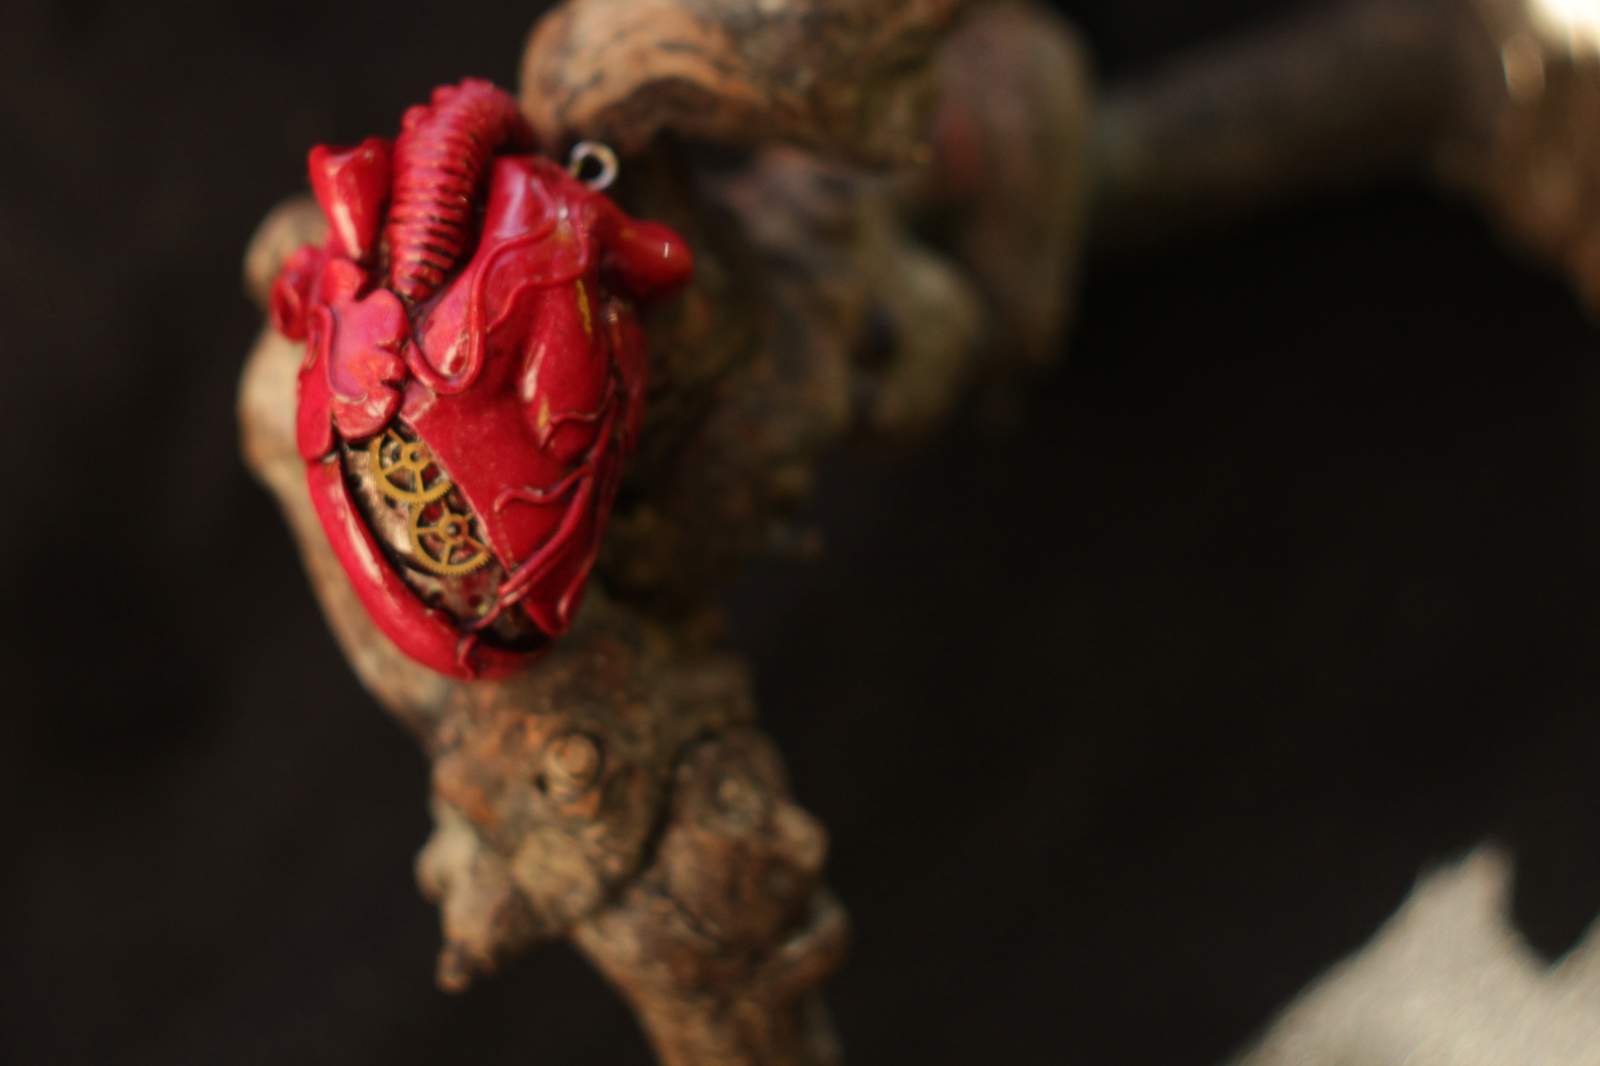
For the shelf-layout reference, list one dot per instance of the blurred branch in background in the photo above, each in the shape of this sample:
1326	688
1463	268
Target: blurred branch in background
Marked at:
1497	100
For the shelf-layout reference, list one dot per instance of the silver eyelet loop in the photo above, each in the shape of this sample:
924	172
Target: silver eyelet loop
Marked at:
586	152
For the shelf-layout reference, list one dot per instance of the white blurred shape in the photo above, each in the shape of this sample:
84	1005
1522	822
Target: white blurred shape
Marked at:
1447	982
1575	23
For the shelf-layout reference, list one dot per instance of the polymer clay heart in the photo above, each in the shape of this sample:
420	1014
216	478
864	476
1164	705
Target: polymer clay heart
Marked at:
474	375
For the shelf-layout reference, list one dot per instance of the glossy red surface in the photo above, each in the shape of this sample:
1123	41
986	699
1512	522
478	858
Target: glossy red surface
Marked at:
522	369
352	186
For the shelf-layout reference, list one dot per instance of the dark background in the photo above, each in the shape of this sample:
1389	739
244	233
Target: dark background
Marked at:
1126	724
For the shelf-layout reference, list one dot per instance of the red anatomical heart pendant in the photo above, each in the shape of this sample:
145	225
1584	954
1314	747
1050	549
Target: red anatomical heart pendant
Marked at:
474	375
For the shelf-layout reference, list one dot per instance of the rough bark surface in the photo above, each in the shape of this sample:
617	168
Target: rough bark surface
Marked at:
844	76
722	942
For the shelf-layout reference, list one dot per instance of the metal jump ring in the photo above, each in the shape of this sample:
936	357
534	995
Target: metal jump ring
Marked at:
584	151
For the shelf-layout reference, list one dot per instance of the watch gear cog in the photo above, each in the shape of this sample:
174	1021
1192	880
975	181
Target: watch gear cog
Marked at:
401	467
446	545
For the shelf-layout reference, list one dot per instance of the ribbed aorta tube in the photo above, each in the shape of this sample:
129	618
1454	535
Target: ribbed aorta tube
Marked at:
439	159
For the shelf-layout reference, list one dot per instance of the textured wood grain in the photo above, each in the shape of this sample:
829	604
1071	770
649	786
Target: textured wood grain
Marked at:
847	76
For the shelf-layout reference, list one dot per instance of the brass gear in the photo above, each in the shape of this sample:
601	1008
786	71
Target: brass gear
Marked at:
450	534
393	456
